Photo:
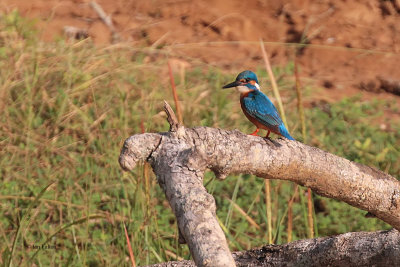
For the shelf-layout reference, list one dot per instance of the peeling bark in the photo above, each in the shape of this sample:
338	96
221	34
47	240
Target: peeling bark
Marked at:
181	156
351	249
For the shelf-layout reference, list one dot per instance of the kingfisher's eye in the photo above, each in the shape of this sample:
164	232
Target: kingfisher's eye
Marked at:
247	79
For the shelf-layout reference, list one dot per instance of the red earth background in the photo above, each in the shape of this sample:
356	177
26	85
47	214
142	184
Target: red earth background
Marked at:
352	46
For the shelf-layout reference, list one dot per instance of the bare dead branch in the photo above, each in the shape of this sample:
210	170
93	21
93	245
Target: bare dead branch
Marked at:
106	19
380	248
75	33
179	159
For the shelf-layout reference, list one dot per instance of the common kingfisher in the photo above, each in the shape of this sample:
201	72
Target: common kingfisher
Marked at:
256	105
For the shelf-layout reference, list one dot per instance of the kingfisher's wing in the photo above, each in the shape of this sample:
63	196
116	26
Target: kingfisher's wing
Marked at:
261	108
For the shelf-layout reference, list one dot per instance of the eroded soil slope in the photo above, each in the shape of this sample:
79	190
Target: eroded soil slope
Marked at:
352	45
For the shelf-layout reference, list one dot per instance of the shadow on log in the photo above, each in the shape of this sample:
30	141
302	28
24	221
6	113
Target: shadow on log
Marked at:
180	157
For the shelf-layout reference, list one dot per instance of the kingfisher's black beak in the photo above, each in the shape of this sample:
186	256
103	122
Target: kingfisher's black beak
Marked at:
234	84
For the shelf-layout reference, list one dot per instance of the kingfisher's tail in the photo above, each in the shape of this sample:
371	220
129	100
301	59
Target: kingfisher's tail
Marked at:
284	132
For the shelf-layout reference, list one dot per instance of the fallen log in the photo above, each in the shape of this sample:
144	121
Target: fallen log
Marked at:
180	157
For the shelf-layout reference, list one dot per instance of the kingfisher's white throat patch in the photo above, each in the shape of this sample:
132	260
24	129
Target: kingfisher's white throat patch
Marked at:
242	89
245	89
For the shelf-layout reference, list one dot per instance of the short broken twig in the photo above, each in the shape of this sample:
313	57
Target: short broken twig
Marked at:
172	120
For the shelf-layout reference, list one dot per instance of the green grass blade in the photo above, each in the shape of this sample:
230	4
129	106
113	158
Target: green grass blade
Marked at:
24	221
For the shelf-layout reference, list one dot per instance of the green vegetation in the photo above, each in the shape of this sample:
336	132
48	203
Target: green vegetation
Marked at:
68	107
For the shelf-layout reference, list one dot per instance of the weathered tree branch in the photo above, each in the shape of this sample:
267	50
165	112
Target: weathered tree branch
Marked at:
351	249
180	157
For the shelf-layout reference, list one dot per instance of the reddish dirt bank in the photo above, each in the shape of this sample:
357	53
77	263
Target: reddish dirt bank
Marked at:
352	45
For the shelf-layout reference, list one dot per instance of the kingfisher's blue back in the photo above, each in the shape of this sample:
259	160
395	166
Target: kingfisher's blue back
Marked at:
256	105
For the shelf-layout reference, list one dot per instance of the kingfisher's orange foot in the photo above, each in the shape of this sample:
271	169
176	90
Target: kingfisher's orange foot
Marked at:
255	132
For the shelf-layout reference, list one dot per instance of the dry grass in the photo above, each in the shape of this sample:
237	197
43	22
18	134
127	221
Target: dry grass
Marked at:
66	110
